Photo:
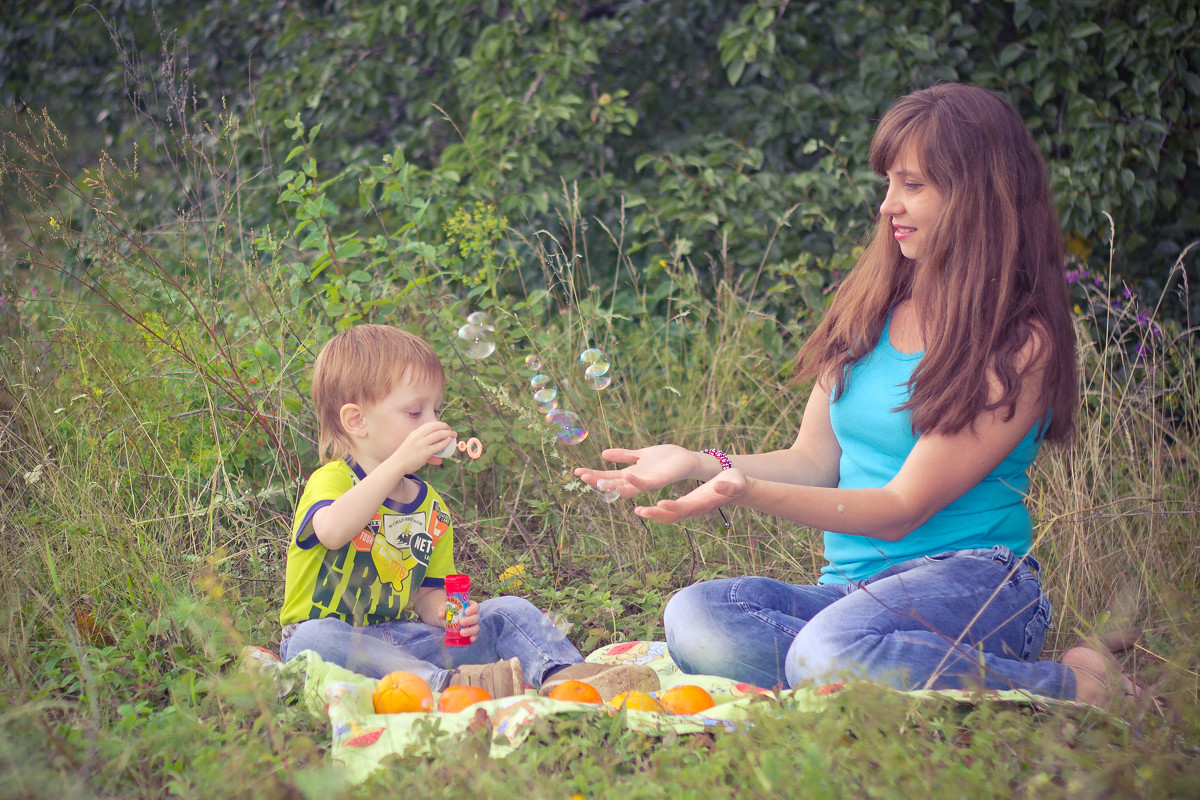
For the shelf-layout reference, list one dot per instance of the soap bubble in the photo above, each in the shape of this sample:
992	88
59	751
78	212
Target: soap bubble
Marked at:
591	356
595	368
480	318
599	382
554	626
548	406
539	382
534	363
448	450
545	395
567	426
609	489
480	341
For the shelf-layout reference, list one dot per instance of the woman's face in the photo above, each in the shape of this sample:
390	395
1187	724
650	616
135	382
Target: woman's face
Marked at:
913	203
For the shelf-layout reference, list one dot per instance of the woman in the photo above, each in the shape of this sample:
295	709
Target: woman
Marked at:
945	360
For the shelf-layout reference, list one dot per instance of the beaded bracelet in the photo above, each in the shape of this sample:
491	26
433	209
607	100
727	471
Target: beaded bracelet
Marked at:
720	456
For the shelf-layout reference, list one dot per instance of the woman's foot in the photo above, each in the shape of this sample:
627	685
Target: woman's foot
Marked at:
1098	677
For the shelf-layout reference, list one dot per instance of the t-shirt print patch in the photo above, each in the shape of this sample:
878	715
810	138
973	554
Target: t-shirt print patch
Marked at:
391	563
392	551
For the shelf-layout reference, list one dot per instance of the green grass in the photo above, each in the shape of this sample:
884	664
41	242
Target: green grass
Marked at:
111	518
154	427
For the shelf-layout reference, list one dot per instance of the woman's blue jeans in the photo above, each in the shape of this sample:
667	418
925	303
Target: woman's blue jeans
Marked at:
509	627
968	618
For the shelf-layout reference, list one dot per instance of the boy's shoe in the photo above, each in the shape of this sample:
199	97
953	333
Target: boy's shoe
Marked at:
501	679
608	679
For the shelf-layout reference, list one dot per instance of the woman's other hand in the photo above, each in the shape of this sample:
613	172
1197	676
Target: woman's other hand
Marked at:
727	487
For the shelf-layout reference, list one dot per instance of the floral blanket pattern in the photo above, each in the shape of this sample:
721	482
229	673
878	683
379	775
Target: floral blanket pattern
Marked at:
362	739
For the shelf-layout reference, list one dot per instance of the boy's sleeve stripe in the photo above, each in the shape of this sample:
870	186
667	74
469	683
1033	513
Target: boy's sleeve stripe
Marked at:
306	538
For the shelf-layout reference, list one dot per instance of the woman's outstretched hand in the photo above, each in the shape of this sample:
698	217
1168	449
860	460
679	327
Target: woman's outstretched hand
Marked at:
727	487
650	468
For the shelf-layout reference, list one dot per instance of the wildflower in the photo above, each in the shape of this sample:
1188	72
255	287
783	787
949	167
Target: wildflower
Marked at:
1127	293
1142	319
54	224
35	476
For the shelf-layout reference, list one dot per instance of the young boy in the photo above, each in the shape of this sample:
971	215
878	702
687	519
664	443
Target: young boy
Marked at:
372	543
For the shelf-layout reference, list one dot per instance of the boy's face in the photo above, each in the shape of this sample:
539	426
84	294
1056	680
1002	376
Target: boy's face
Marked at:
410	404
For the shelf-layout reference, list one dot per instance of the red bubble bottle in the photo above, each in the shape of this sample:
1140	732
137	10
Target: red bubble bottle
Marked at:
458	591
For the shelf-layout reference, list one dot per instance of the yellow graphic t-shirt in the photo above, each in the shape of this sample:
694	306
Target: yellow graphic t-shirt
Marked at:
371	579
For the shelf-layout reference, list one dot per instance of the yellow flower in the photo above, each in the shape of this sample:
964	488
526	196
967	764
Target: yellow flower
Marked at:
54	224
510	579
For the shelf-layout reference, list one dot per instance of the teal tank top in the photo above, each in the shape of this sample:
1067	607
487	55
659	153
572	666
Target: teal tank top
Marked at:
876	439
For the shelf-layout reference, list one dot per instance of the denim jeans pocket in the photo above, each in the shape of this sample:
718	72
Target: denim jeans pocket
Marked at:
1035	629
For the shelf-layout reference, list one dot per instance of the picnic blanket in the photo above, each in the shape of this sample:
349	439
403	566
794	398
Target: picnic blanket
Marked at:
362	740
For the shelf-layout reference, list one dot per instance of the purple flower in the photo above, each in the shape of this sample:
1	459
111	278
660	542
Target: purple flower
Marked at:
1142	319
1141	351
1128	294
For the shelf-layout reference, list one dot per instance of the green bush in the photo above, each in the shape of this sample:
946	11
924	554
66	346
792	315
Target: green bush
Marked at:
708	125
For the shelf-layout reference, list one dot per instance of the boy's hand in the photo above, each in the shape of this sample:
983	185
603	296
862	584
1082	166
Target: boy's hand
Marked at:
470	621
421	446
430	604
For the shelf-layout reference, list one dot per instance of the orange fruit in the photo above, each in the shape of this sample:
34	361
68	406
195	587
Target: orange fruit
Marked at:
686	699
456	698
402	691
576	692
637	700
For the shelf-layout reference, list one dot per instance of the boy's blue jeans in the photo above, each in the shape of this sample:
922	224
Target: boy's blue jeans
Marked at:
508	627
968	618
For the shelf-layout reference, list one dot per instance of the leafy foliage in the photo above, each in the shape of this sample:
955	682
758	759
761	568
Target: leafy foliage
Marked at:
730	121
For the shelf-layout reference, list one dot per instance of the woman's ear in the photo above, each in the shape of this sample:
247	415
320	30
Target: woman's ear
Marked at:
351	417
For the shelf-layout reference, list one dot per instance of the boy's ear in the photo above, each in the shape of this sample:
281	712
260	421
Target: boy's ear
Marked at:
350	415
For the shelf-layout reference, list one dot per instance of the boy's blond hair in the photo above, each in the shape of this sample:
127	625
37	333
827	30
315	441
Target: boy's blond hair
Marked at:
361	365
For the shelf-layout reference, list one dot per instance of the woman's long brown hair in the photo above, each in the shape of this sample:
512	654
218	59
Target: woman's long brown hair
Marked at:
990	275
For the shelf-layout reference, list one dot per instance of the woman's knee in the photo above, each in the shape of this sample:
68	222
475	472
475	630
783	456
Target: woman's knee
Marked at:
684	605
687	625
826	650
